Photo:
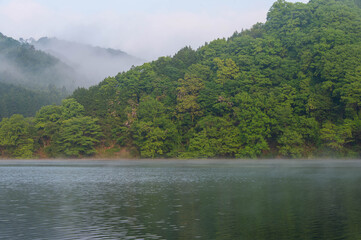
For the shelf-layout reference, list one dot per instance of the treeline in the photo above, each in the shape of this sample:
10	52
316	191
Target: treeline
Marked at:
16	99
288	88
55	131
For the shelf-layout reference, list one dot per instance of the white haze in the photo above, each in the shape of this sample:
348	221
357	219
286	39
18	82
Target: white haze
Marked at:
57	75
148	30
8	68
92	64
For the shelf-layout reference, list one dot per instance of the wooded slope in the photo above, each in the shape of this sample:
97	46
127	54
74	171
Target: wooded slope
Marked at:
290	87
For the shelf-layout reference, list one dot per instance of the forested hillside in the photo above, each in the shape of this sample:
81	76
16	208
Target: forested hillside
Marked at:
290	87
21	64
30	79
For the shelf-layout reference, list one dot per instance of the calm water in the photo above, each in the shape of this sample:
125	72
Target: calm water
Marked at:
180	200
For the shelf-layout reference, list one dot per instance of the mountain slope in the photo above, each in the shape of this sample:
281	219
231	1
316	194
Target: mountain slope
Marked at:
30	79
93	63
290	87
22	65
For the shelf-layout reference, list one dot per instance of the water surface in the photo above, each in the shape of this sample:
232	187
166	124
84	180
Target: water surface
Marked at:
180	199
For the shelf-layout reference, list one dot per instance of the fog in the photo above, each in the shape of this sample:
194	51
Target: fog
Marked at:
92	64
9	72
142	29
41	75
59	63
146	29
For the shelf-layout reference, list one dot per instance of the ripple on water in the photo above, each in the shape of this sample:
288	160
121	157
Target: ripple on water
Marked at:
266	200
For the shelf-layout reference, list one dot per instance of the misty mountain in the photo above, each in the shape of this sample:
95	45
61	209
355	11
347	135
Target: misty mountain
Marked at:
92	63
21	64
30	79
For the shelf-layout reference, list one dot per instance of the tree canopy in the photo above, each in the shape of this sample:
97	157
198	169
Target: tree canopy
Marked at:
290	87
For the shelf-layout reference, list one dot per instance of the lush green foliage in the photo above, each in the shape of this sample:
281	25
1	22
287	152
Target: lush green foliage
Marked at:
58	130
65	131
15	137
288	88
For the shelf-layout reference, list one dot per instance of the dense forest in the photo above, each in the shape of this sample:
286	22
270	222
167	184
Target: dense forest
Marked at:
290	87
16	99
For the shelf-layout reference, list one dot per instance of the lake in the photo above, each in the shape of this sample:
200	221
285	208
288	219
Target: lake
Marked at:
219	199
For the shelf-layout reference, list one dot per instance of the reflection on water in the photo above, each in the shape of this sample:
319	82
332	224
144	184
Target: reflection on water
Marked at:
180	200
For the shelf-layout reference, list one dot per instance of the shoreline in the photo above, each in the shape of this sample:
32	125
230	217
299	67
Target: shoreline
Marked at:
185	161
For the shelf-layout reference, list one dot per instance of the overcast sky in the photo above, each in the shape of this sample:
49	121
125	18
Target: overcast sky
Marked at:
144	28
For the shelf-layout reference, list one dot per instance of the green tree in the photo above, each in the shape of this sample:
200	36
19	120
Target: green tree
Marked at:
70	108
291	143
156	138
187	96
227	70
15	137
254	125
47	123
335	137
351	92
215	136
78	137
65	131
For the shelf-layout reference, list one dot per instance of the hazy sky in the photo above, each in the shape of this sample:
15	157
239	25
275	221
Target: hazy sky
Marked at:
144	28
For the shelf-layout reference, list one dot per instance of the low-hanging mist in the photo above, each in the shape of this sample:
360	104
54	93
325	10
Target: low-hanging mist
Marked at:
93	64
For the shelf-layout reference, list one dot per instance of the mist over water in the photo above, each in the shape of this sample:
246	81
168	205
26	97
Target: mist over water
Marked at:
180	199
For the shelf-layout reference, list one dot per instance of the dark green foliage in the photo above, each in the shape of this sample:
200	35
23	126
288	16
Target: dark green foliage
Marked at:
18	100
290	87
77	137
